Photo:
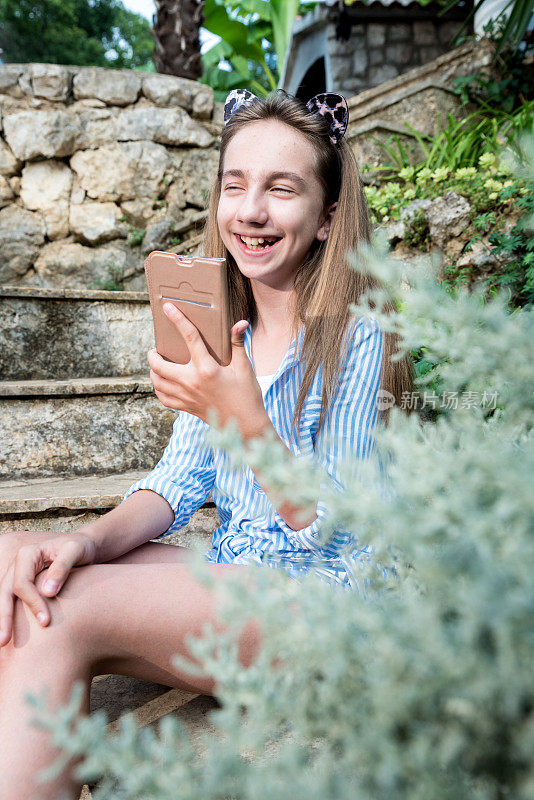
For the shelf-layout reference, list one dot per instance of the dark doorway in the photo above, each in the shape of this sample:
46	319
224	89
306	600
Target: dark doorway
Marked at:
313	82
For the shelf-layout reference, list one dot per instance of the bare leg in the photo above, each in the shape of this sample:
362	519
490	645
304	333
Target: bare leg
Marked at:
128	618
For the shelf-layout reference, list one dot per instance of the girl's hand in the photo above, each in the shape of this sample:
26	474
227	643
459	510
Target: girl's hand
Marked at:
203	384
59	554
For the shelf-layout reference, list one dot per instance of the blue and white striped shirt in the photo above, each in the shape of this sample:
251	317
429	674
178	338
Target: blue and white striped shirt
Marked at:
251	528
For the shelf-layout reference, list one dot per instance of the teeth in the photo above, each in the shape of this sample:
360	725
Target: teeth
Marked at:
253	242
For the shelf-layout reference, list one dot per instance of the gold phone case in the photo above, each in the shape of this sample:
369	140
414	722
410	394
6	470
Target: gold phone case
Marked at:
197	286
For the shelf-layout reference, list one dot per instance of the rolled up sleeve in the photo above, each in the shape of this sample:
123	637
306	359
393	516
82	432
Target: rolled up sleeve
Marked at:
185	474
346	437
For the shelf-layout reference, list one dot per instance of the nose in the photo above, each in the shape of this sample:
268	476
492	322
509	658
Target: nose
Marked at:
253	208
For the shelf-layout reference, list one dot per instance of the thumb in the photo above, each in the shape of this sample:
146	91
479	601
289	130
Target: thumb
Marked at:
237	334
69	554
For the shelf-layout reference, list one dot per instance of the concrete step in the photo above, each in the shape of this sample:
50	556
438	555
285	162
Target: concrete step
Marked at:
62	333
81	426
62	505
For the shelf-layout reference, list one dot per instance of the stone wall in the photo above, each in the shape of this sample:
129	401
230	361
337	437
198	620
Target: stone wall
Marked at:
97	168
378	51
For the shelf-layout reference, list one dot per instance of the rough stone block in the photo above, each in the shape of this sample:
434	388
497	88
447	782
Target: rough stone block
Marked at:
45	187
51	81
9	77
72	265
22	234
360	61
399	53
98	125
38	134
447	217
382	73
202	104
376	34
424	32
84	434
164	125
113	87
124	171
95	223
168	91
400	32
193	172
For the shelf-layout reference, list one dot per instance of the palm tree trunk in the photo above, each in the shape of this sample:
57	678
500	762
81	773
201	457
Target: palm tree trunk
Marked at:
176	33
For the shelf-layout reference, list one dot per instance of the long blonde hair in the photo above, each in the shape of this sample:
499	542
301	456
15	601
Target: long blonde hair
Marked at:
325	283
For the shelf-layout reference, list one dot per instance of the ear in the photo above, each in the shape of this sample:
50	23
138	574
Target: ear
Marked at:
322	233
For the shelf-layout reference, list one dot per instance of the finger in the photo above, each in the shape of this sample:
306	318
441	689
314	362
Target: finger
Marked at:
195	344
70	553
167	369
6	606
168	388
30	560
169	401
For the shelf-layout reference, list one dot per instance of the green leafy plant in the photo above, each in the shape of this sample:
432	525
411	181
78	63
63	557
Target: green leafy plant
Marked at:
510	89
487	186
135	235
113	283
254	39
463	141
416	232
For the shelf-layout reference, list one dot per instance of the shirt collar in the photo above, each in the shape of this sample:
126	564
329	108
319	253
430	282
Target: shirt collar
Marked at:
287	360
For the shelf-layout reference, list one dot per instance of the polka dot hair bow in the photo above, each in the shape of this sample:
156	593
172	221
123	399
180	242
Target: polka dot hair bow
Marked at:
331	106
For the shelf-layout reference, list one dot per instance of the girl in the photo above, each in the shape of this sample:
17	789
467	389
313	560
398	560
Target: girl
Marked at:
286	206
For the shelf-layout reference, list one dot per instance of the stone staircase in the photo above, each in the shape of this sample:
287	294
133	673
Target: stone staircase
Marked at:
80	419
80	423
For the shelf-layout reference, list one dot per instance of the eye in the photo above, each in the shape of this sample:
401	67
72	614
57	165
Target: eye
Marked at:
231	187
283	189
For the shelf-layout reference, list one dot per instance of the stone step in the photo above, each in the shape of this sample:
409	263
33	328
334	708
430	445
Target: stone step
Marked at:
46	495
81	426
71	333
61	505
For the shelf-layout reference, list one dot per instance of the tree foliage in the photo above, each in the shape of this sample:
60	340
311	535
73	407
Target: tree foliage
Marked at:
255	36
83	32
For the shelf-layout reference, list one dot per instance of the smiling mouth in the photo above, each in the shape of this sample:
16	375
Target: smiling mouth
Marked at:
257	245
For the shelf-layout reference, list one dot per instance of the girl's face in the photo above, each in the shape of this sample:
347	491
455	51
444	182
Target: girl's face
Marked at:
269	191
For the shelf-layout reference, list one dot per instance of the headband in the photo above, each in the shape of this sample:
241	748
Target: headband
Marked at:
331	106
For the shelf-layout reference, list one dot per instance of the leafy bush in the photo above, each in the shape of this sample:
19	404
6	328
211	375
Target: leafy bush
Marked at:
417	684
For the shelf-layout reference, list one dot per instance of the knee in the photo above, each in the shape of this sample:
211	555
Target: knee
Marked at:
56	640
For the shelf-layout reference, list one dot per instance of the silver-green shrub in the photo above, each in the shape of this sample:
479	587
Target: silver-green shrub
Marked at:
421	686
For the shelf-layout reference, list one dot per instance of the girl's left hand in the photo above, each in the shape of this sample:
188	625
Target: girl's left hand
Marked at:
203	384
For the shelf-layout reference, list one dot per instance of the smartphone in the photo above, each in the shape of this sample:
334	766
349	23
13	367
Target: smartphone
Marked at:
197	286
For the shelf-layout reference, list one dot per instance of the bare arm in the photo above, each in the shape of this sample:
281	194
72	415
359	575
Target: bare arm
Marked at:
141	517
